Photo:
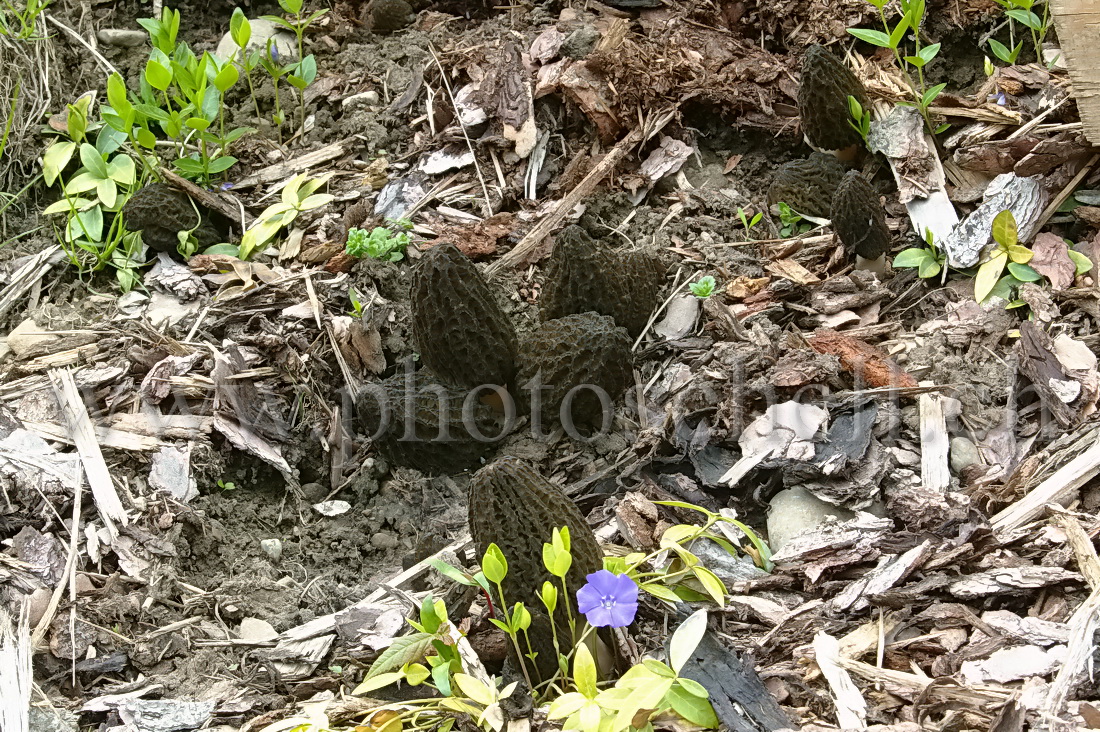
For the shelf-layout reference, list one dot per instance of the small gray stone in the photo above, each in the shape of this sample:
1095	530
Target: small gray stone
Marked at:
286	45
51	719
122	38
384	540
580	42
795	511
273	548
964	453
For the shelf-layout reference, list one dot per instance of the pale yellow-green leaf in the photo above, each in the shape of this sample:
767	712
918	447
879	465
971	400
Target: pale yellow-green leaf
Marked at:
63	205
643	697
274	210
693	687
1004	230
686	639
122	170
584	672
1019	254
711	584
566	704
475	689
289	194
81	183
459	705
677	534
312	185
416	673
377	682
107	192
315	201
494	716
590	716
988	274
661	592
56	158
507	690
657	668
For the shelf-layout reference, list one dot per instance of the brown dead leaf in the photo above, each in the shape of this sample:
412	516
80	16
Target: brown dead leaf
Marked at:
742	287
867	362
480	239
793	271
211	263
732	163
1052	260
340	262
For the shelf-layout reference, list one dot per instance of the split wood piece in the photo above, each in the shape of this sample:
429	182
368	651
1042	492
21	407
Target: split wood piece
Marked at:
107	437
520	253
1085	620
27	276
911	686
899	134
851	707
1077	21
82	433
212	201
15	659
1060	487
935	471
740	699
290	168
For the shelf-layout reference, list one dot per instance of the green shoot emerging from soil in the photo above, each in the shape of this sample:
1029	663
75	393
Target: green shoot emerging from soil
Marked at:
19	20
861	118
380	243
748	223
892	36
302	73
929	262
704	288
792	223
1023	12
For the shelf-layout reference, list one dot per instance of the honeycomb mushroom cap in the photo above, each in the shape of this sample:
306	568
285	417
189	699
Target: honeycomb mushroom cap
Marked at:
859	218
584	275
808	185
160	211
464	336
565	353
823	91
418	422
513	506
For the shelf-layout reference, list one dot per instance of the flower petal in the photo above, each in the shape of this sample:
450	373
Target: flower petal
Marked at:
600	616
622	614
588	597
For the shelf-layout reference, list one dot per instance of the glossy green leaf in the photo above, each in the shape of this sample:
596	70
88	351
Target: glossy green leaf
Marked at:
452	573
1028	18
929	268
899	31
494	564
240	29
931	93
874	37
56	158
697	710
714	586
929	52
93	161
584	672
1080	261
158	75
226	77
1023	272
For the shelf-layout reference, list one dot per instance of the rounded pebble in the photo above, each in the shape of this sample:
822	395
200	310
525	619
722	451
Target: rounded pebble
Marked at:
964	453
273	548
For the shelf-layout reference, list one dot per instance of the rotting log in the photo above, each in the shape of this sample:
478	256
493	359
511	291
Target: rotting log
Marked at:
1078	24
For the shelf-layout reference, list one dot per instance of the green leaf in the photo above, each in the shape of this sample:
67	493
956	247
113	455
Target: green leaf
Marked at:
930	94
240	30
1001	51
189	166
221	164
1023	272
494	564
406	649
377	682
549	597
81	183
158	75
415	673
1004	229
1028	18
146	138
686	639
645	696
452	573
441	676
988	274
107	192
91	159
914	61
117	96
122	170
227	77
874	37
56	158
929	268
227	249
913	257
1005	287
714	586
661	592
929	52
584	672
1080	261
899	31
691	707
475	689
1020	254
693	687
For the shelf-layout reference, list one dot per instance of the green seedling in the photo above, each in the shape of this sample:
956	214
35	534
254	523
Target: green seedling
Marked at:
791	222
302	73
1022	12
226	485
861	118
356	303
1009	253
19	20
748	223
380	243
298	195
912	15
704	288
929	261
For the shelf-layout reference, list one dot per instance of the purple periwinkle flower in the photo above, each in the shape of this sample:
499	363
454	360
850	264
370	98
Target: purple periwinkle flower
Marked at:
608	599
